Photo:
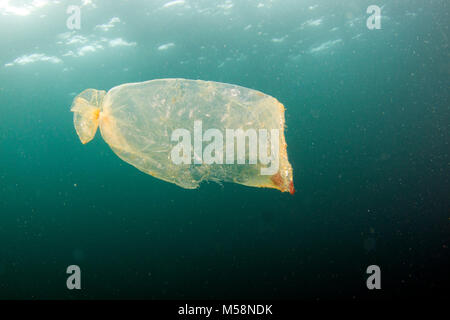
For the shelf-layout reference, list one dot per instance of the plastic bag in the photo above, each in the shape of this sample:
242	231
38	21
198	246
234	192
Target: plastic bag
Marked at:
188	131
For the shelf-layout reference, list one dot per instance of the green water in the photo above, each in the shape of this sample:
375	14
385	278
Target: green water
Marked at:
367	114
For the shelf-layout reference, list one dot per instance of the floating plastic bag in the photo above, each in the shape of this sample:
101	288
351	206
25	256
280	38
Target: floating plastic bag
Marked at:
188	131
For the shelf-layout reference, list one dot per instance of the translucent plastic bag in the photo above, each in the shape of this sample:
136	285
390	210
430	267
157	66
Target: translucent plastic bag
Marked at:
148	124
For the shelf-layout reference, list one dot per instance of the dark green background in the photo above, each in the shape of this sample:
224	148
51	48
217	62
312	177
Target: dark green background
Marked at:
367	133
